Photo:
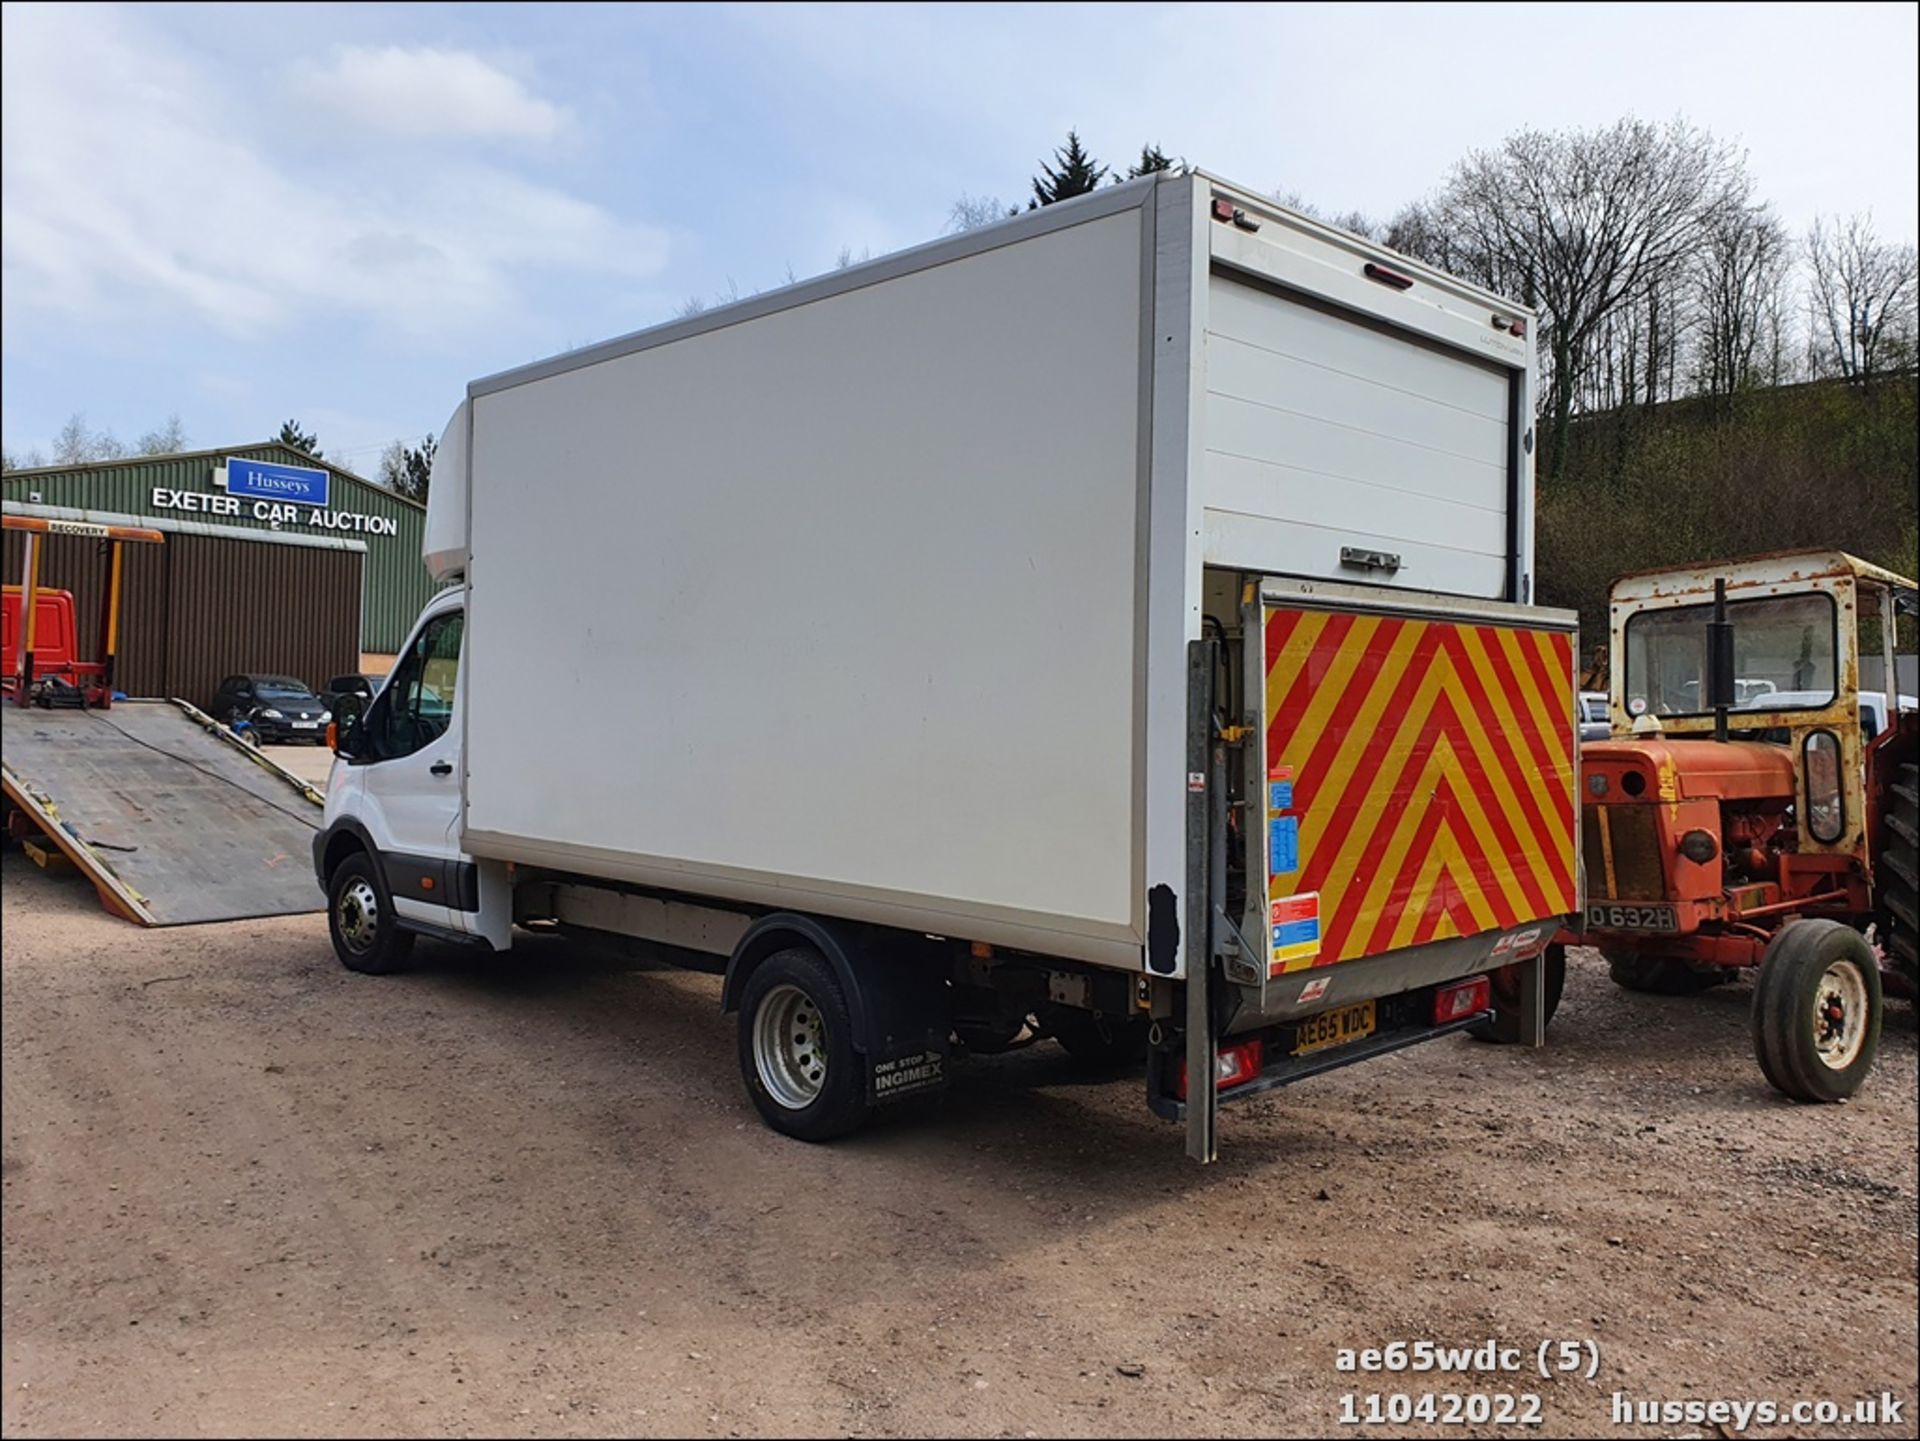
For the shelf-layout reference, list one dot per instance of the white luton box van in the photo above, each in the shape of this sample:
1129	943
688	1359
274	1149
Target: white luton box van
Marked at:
1111	625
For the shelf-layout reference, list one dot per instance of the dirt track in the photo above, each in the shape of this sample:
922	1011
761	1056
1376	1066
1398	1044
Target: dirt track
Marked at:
247	1192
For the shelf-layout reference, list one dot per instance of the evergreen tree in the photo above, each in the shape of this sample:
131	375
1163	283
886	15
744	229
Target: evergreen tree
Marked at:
418	469
292	435
1078	174
1151	160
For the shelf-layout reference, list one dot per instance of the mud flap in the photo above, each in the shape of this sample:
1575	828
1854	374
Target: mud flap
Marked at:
907	1030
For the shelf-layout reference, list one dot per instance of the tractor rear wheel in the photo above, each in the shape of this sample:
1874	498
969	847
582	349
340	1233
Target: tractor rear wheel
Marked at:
1899	876
1096	1040
1816	1011
1503	1026
1661	975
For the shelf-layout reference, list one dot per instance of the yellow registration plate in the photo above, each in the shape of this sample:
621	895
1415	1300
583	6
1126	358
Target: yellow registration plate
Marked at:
1333	1028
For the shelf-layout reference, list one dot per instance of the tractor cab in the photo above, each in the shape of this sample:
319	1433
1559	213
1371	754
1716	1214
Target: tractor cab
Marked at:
1749	790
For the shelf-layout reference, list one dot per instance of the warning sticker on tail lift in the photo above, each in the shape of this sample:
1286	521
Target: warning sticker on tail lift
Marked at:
1296	930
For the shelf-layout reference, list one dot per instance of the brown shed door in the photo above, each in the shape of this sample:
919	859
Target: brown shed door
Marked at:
250	606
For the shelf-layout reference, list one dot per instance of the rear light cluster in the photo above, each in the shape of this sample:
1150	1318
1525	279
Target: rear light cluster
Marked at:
1461	999
1233	214
1237	1063
1387	277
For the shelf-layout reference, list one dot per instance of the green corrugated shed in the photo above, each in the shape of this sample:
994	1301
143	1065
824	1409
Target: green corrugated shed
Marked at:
394	582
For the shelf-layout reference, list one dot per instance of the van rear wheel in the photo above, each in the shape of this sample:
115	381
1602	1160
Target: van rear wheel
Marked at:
1097	1040
796	1048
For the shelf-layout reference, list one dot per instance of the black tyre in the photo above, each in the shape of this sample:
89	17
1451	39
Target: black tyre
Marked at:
1662	975
1899	873
1816	1011
1503	1026
796	1048
367	936
1096	1039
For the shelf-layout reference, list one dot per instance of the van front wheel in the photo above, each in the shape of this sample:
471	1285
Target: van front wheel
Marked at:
367	936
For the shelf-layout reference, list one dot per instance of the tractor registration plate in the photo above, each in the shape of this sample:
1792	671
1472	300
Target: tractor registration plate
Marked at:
1333	1028
1609	917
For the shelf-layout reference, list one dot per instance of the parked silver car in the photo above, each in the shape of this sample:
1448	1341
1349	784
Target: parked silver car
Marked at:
1590	709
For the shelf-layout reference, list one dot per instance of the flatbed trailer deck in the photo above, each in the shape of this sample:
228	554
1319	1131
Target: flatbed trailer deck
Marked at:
172	817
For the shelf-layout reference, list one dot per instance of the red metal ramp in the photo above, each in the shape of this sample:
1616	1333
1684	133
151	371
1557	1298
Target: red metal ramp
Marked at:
170	815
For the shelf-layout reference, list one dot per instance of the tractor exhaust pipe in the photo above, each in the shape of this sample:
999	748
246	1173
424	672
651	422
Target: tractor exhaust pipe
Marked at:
1720	684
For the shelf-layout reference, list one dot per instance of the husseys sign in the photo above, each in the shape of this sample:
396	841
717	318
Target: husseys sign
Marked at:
274	494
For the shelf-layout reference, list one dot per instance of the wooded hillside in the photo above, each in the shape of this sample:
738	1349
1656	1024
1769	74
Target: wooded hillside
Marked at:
1712	478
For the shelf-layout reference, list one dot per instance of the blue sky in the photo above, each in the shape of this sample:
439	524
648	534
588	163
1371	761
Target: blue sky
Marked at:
344	213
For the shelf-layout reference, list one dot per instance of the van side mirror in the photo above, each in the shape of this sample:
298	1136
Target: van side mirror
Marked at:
349	714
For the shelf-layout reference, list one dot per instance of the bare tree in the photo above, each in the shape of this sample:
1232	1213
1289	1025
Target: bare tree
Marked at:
167	439
393	465
76	443
1419	230
1294	200
1737	284
1862	293
1582	223
970	212
1358	222
1778	332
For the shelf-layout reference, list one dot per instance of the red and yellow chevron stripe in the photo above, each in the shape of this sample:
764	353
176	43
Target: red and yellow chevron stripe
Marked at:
1431	772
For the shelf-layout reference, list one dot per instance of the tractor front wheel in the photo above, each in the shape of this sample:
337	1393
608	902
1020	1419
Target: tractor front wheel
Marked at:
1816	1011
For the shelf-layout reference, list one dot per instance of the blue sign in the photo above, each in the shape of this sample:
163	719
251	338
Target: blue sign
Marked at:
263	480
1293	933
1283	845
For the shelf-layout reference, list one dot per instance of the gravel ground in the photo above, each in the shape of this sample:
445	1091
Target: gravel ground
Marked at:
248	1193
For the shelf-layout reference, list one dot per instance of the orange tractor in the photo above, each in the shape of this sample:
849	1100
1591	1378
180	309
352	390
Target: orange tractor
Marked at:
1755	807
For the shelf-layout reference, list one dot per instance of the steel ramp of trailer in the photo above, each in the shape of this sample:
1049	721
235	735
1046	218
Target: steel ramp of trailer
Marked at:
172	817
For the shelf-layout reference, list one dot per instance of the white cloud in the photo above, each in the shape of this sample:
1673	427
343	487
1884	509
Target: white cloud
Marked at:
137	186
424	93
